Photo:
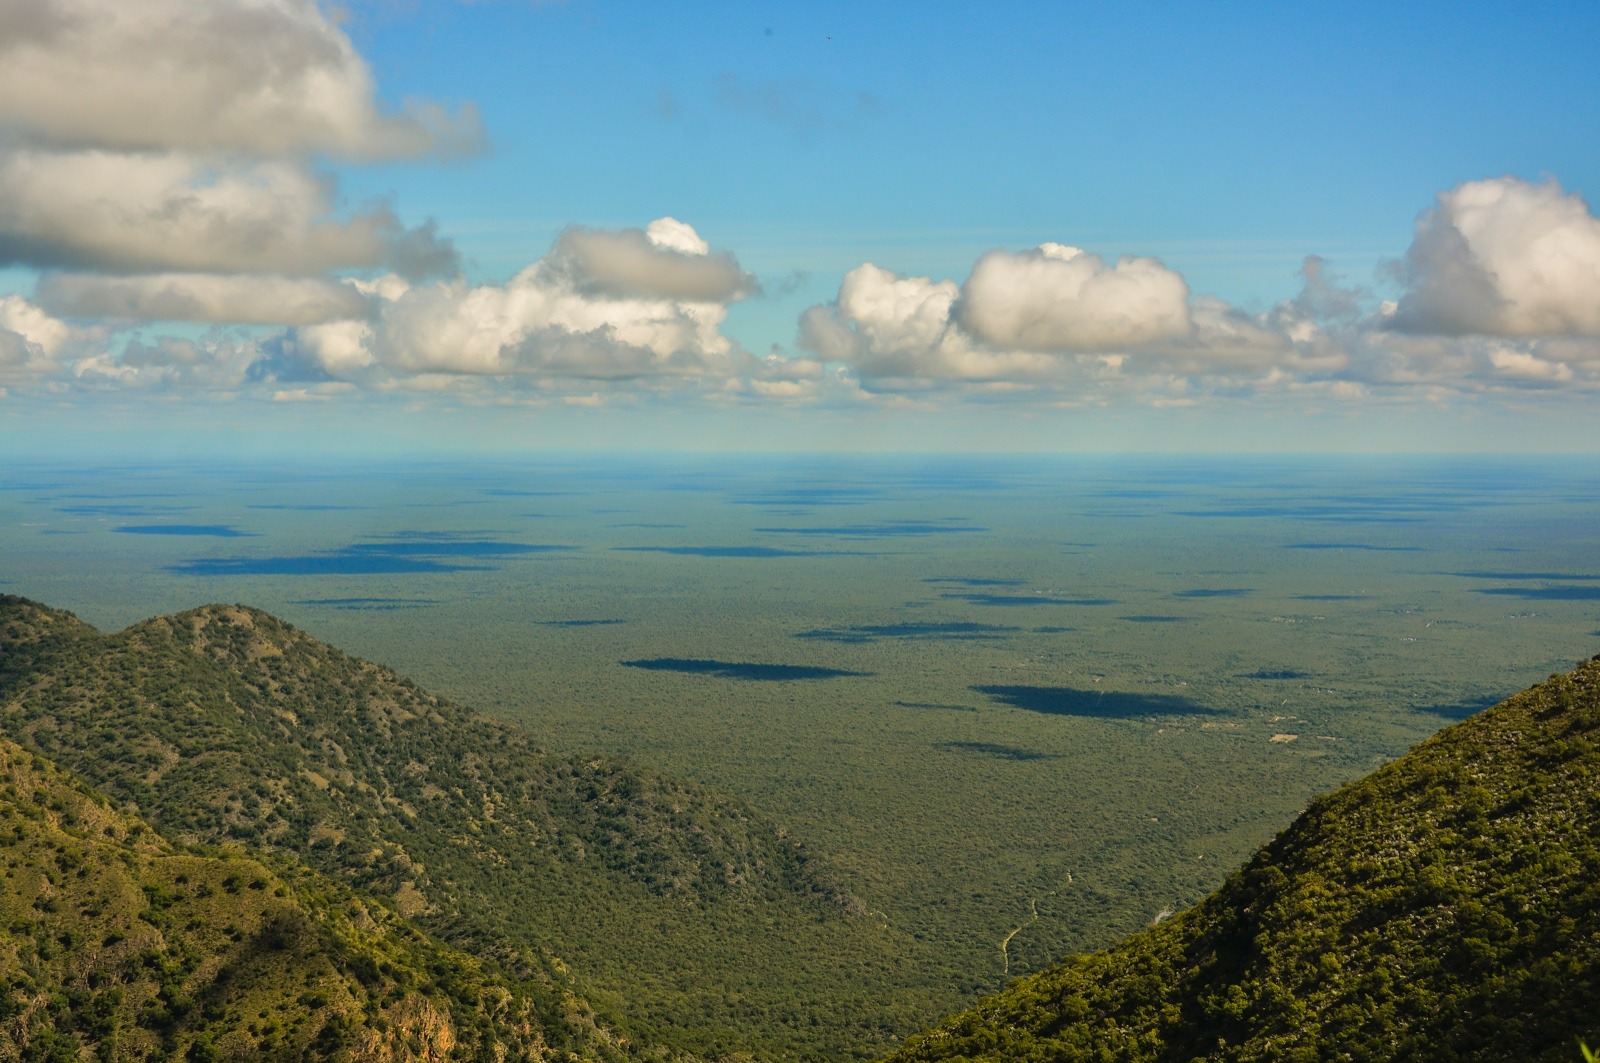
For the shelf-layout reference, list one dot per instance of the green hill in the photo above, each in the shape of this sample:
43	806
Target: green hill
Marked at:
1445	908
711	931
118	945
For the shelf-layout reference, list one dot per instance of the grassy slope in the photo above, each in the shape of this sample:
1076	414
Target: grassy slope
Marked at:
119	945
1446	907
711	930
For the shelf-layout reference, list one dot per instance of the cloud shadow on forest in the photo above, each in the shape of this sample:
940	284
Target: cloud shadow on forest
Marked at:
213	531
726	551
1458	710
1023	600
753	671
368	605
1355	546
1096	704
1546	594
955	630
882	530
995	749
412	553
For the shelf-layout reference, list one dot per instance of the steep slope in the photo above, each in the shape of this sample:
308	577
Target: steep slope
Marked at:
117	945
1446	907
707	926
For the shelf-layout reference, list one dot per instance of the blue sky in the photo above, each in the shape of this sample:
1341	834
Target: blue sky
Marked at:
1087	226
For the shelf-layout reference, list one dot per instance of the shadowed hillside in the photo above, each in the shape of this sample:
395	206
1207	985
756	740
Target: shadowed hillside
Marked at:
1446	907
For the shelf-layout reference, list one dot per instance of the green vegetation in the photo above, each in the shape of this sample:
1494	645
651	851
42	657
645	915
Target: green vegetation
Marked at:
118	945
300	851
1443	908
711	930
1363	633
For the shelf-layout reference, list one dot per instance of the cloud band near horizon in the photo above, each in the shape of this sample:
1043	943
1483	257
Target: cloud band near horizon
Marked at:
205	197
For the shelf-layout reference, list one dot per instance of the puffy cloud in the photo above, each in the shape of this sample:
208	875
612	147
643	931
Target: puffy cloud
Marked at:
215	362
880	315
1221	338
1580	352
901	330
555	319
34	325
543	330
15	352
1451	364
896	315
159	152
260	77
668	260
608	313
21	359
531	325
1058	322
1503	257
159	212
1529	366
338	349
1058	298
674	235
35	345
1043	317
239	299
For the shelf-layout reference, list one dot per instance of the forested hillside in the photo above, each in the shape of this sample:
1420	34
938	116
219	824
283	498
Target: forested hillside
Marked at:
1445	908
688	918
118	945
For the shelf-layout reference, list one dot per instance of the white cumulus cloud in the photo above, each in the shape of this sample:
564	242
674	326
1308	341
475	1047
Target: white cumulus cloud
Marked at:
1059	323
1503	257
35	345
657	313
1059	298
1046	317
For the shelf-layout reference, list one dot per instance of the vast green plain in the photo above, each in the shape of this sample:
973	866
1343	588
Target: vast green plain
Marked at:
1021	707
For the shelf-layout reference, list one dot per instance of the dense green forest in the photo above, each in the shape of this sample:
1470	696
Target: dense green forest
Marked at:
1446	907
